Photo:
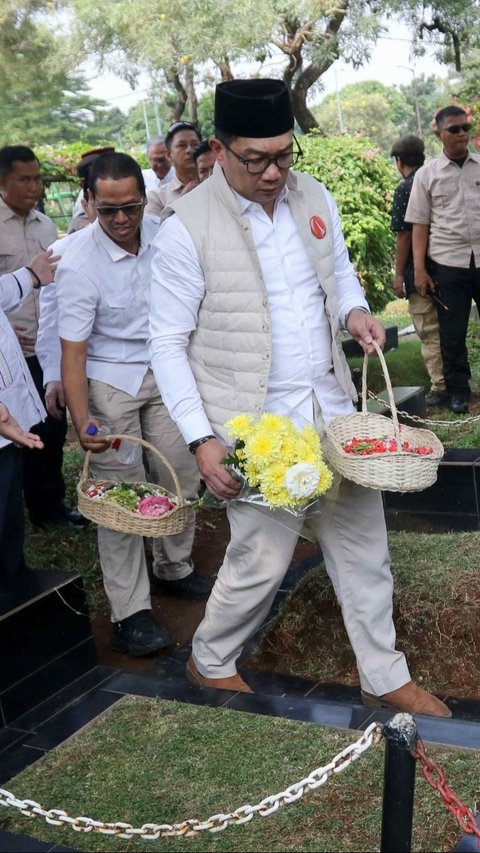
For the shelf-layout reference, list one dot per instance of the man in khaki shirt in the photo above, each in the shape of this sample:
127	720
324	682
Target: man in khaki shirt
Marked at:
24	233
444	208
182	138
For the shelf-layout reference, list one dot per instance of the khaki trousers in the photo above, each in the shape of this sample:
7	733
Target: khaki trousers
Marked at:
351	532
425	319
122	556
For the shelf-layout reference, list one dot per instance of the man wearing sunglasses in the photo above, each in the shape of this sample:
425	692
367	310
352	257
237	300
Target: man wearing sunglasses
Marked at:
181	140
251	286
103	290
444	208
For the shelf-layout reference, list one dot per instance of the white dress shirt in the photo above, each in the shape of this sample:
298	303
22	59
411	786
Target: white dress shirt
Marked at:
153	182
17	389
47	346
301	339
103	297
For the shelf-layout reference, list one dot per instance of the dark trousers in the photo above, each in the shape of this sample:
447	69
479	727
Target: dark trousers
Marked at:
43	483
11	516
457	287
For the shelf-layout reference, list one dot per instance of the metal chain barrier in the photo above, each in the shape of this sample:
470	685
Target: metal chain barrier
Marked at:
151	831
436	779
445	424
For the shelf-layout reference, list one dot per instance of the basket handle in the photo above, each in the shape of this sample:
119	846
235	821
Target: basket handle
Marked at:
388	383
148	446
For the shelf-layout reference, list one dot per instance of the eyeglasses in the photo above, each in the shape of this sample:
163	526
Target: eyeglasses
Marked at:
258	165
458	128
127	209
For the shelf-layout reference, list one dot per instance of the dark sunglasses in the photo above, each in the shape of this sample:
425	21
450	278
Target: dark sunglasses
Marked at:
458	128
112	210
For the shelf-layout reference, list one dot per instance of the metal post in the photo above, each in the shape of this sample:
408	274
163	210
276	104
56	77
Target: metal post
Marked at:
399	784
147	129
339	106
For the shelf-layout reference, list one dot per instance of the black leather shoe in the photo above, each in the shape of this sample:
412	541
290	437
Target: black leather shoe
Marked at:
139	635
192	587
437	398
62	517
459	404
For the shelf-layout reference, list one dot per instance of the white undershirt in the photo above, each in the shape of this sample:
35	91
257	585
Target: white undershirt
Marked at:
301	362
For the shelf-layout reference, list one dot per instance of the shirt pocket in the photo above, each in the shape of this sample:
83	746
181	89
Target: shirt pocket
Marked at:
7	262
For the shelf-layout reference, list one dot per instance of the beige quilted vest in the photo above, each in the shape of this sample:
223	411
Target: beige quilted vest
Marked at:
230	349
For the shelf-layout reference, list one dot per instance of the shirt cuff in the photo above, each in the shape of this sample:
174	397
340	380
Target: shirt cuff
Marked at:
25	280
194	426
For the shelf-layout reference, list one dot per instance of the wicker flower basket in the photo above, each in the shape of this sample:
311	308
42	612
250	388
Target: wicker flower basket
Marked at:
116	517
397	471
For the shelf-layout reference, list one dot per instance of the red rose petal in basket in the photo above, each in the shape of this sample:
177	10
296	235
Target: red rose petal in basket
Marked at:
155	506
367	446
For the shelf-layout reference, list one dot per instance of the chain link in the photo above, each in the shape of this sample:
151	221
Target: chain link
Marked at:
436	779
429	421
216	823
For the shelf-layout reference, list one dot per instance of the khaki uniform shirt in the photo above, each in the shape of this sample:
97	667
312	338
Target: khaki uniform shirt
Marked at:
158	199
447	198
20	241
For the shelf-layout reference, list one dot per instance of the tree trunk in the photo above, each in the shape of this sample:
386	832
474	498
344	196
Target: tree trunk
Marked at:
225	70
191	94
174	80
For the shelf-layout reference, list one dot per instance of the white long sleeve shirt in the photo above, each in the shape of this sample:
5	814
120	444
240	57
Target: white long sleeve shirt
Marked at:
17	389
301	362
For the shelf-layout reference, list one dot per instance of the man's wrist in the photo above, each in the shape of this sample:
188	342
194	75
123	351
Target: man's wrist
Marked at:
35	278
355	308
194	445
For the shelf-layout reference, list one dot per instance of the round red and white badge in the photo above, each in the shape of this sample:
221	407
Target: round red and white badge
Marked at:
318	227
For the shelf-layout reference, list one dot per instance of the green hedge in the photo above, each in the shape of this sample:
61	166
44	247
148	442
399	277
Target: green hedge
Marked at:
362	181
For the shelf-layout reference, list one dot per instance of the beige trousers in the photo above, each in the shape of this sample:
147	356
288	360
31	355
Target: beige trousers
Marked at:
425	319
122	556
351	532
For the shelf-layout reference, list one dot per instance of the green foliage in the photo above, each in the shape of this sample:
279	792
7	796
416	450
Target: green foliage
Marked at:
362	182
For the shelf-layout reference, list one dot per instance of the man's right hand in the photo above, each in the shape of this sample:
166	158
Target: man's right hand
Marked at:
54	399
214	473
423	282
399	287
44	265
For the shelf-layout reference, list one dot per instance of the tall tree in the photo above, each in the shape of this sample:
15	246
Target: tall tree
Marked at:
41	100
173	39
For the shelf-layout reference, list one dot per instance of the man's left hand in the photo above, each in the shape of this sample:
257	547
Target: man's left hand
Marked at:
364	329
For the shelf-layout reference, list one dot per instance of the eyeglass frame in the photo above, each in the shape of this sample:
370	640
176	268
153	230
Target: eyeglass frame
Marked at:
111	210
466	127
245	161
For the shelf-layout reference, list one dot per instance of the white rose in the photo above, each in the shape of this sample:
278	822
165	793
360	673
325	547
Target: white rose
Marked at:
301	480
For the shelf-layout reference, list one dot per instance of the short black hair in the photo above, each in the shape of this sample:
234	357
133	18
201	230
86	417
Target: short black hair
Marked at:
115	167
176	127
409	149
446	112
10	153
202	148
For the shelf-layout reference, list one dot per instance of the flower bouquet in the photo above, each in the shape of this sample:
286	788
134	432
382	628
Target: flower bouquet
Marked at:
280	464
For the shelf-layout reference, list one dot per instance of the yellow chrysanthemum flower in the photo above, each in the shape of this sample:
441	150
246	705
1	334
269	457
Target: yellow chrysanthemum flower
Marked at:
240	426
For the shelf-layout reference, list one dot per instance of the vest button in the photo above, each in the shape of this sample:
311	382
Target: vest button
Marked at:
265	327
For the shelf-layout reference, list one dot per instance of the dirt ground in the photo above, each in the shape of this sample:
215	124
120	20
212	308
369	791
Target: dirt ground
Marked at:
178	616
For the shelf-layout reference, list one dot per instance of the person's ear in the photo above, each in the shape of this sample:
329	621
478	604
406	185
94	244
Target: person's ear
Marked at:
218	149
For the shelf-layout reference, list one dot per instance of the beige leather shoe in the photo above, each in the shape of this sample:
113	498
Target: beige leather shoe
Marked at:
233	682
410	699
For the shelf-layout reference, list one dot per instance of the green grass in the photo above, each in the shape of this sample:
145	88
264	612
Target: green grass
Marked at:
436	606
149	760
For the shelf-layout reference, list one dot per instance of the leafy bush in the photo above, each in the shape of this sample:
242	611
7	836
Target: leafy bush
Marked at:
362	181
